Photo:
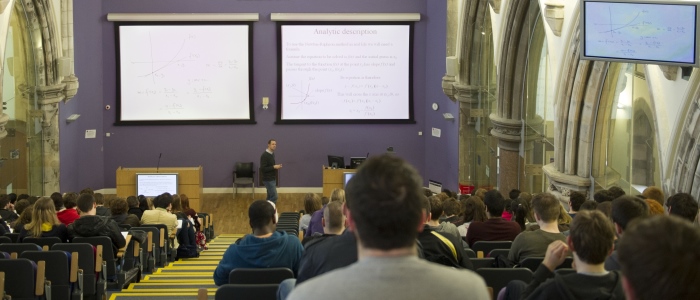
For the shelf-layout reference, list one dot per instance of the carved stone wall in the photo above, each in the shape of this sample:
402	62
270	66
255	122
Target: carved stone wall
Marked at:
685	170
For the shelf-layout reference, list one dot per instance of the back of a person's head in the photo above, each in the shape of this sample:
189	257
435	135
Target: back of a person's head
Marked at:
118	206
57	201
85	202
525	196
474	210
70	200
628	208
654	207
184	202
333	215
13	197
605	208
588	205
23	196
132	201
436	209
592	236
451	207
576	198
449	193
163	200
507	203
521	210
480	192
44	212
261	213
384	202
87	191
99	198
513	194
654	193
177	204
602	196
312	203
427	192
659	258
683	205
616	192
325	200
338	195
546	206
4	201
21	205
143	202
494	203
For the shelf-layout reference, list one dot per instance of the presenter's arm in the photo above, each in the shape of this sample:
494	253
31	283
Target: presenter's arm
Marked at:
266	163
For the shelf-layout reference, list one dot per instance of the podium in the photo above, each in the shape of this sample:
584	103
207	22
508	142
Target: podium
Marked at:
333	179
190	182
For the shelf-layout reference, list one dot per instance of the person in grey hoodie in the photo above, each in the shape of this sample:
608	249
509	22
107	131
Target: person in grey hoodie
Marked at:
89	224
265	248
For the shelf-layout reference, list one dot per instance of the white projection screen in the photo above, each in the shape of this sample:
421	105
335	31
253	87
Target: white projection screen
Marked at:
647	32
345	73
184	73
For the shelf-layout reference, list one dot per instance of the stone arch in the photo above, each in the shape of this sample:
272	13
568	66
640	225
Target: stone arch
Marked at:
684	168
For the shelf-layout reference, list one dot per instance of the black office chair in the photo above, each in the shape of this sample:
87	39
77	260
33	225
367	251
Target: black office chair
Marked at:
498	278
243	175
486	246
247	292
483	262
259	276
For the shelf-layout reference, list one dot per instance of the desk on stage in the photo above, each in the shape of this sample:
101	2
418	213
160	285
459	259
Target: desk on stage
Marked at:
334	179
190	182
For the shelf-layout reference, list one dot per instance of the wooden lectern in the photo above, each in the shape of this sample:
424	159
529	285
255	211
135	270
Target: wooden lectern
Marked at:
190	182
334	179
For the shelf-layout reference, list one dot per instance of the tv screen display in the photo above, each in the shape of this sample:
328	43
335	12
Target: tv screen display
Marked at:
335	72
648	32
346	178
154	184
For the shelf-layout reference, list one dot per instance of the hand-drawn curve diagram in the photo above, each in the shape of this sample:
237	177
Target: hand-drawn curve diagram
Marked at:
157	65
302	91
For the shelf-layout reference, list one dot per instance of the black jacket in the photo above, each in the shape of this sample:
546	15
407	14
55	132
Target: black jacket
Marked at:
8	216
326	254
267	166
135	211
437	251
103	211
88	226
545	285
127	219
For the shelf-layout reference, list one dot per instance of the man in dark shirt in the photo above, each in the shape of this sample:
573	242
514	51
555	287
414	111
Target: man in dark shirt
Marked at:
268	168
495	228
89	224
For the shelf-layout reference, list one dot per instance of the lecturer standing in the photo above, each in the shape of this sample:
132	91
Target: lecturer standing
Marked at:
268	168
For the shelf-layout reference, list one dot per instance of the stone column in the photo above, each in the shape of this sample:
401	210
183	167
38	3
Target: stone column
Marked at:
508	133
48	98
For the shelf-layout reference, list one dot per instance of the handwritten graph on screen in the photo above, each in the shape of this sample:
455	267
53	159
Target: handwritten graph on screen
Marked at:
184	72
640	31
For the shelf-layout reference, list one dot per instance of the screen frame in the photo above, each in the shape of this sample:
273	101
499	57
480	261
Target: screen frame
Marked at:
118	104
339	158
354	159
411	40
582	27
177	182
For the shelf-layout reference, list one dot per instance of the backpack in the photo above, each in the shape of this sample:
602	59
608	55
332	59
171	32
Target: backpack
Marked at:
187	251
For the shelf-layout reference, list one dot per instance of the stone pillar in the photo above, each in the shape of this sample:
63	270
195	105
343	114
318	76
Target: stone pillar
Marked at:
48	98
508	133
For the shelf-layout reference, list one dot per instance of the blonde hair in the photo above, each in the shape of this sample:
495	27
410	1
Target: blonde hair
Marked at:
177	205
564	217
338	195
185	201
44	212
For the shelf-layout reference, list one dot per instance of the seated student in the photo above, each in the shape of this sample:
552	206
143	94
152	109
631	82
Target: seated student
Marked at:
312	203
683	205
265	248
534	243
315	226
451	211
591	240
388	267
603	196
7	209
44	222
474	211
654	193
436	211
24	218
440	247
495	228
161	214
68	214
624	210
575	201
333	222
102	210
89	224
134	208
118	208
659	258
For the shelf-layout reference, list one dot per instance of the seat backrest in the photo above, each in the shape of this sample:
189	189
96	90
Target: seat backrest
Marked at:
247	292
107	251
470	253
259	276
57	270
482	262
86	262
42	241
487	246
14	237
497	278
564	271
5	239
155	238
496	252
18	248
531	263
20	277
244	169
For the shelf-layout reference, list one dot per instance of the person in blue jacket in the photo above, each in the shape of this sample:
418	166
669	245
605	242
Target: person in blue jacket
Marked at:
265	248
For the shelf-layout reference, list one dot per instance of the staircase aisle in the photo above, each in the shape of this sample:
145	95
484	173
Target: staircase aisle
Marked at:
183	278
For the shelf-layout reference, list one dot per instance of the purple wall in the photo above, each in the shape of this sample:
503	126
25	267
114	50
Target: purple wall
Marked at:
301	148
441	154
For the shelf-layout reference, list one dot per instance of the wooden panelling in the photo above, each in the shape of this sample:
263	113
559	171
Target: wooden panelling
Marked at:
189	182
333	179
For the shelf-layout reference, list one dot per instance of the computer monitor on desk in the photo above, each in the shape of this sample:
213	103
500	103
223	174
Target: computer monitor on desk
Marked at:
336	162
355	162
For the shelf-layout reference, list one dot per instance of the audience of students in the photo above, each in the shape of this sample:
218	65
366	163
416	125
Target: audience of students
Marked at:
66	215
333	222
654	193
44	222
575	201
441	247
118	208
90	224
161	215
436	212
474	211
312	203
683	205
315	226
534	243
494	228
7	212
134	208
102	210
624	210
